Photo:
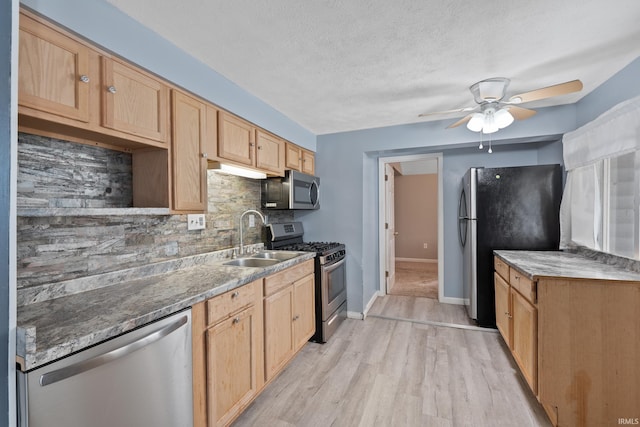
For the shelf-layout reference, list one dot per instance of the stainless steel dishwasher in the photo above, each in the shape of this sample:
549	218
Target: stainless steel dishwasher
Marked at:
138	379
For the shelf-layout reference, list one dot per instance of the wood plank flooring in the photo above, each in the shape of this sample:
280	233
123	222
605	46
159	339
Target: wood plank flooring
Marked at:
381	372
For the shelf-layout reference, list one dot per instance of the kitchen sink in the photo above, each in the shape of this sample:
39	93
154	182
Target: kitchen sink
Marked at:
277	255
253	262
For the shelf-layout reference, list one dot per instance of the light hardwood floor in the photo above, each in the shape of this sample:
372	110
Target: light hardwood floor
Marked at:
381	372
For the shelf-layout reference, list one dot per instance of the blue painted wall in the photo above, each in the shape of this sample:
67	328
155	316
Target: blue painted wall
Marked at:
7	151
622	86
350	185
108	27
347	163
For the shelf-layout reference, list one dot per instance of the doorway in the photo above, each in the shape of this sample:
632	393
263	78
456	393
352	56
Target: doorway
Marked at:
411	226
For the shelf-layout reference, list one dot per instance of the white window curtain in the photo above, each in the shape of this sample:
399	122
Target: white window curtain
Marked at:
614	133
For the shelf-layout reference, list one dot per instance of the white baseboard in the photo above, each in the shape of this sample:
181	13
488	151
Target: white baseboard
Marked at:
426	260
355	315
451	300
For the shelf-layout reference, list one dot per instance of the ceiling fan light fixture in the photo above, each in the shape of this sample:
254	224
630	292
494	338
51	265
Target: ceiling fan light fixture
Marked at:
503	118
476	122
490	125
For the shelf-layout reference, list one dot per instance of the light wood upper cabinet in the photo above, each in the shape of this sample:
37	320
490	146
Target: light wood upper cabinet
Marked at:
293	157
236	139
269	153
188	150
308	162
299	159
134	102
53	72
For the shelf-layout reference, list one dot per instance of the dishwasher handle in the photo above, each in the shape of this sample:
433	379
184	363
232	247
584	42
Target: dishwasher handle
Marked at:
77	368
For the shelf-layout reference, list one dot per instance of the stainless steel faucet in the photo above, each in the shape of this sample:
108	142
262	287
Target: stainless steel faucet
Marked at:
241	217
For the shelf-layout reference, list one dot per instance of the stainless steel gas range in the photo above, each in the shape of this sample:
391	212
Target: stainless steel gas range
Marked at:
330	274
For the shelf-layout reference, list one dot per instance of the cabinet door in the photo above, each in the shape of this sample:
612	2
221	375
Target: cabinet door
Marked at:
53	72
525	338
269	153
503	308
189	165
231	364
304	322
308	162
134	102
236	139
293	157
278	327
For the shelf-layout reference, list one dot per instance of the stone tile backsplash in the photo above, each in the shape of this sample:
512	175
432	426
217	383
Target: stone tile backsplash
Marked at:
53	173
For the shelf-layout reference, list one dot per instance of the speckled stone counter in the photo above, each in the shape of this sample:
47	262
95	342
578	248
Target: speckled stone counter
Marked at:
538	264
76	315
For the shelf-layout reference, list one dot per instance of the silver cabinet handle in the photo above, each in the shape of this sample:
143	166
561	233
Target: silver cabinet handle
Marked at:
111	89
296	317
236	320
84	79
80	367
236	294
204	155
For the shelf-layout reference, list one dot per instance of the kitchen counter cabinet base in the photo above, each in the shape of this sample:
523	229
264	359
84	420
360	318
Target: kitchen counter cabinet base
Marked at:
589	351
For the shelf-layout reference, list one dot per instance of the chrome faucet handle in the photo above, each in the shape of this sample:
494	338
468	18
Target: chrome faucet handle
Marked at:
234	254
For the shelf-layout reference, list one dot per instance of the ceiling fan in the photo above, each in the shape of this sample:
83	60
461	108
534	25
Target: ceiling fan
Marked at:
493	113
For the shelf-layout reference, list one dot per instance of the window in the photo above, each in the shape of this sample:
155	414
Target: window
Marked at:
601	202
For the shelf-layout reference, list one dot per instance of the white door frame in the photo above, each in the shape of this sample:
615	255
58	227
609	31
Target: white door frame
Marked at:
382	253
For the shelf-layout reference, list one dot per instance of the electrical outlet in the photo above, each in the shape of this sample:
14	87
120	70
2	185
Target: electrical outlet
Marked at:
426	245
195	222
252	220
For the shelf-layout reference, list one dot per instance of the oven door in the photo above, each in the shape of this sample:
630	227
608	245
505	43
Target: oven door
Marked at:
334	287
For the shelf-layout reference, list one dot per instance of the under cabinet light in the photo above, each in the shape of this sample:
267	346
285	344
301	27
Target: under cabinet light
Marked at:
236	170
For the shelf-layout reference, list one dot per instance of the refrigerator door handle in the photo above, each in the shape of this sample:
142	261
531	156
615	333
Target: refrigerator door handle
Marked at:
69	371
462	234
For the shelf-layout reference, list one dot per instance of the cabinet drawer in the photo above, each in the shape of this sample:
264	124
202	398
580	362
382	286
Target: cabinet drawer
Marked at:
523	284
277	281
225	305
501	267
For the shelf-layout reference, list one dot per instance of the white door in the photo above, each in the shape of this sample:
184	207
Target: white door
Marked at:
390	228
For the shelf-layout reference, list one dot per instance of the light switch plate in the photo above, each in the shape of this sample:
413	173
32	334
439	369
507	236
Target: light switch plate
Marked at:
195	222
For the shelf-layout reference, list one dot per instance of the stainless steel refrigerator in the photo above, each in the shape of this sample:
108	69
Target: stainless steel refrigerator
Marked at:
504	208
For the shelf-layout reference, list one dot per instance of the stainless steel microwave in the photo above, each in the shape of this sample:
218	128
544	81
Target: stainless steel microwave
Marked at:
295	190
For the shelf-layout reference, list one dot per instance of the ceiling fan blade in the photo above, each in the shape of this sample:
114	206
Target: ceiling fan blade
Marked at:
459	110
461	121
547	92
520	113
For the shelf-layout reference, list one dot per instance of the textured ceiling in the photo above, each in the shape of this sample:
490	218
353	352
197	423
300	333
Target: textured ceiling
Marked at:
335	66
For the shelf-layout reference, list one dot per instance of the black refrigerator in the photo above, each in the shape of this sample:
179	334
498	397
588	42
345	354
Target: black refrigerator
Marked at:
504	208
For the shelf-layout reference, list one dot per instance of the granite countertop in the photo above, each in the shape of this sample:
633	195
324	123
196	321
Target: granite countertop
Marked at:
70	321
540	264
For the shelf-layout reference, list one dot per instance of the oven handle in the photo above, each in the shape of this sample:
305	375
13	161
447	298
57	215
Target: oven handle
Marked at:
329	268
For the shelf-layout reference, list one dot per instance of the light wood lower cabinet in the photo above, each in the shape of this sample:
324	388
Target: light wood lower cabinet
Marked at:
289	315
227	354
576	342
238	333
516	319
